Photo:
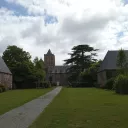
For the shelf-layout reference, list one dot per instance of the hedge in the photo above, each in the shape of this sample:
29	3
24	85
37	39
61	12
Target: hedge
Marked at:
2	88
109	84
121	84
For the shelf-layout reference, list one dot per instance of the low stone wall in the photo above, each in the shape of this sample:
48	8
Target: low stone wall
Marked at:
6	79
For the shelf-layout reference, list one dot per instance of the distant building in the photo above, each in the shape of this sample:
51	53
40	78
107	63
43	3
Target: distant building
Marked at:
5	75
108	67
55	74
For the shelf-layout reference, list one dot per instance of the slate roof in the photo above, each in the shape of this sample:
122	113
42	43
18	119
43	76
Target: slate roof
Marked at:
60	69
49	52
110	60
3	67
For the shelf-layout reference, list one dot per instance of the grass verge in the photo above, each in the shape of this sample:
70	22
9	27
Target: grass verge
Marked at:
85	108
14	98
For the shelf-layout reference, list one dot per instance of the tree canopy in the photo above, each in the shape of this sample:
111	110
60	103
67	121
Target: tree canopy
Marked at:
121	59
25	72
81	57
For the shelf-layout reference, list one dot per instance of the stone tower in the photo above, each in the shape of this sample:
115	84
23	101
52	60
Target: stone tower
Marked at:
49	59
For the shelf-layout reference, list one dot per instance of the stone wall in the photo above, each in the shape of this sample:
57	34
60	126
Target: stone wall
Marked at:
102	78
6	79
49	60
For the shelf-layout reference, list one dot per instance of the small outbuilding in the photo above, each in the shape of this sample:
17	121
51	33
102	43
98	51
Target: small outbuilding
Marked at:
5	75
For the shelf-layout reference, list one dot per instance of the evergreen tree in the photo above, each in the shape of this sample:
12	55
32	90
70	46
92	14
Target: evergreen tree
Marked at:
81	58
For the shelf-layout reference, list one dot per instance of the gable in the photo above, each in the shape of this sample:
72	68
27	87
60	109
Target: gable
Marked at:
3	67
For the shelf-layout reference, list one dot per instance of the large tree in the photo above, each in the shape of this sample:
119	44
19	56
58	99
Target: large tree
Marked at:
80	59
39	66
24	71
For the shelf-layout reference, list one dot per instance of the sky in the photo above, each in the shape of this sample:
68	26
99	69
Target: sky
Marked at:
39	25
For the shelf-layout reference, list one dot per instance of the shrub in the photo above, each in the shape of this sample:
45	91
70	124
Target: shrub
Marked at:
96	85
2	88
121	84
46	84
109	84
54	84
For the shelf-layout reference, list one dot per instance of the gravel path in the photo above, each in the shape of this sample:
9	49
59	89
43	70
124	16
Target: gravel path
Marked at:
23	116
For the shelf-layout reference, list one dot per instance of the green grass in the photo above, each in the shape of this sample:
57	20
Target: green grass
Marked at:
85	108
14	98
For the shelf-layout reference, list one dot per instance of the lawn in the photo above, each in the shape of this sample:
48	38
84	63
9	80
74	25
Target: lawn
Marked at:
85	108
14	98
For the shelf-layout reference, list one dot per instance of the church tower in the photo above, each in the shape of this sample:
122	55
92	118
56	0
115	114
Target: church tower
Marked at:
49	59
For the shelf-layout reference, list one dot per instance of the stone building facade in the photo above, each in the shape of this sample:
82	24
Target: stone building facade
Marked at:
5	75
55	74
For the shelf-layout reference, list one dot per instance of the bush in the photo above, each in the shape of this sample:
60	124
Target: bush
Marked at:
121	84
96	85
54	84
109	84
46	84
2	88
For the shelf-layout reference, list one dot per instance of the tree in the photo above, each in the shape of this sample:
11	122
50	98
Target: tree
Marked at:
23	69
39	67
13	55
90	75
80	59
122	62
93	69
121	59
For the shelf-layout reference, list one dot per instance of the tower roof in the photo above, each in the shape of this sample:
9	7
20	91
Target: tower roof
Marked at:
49	52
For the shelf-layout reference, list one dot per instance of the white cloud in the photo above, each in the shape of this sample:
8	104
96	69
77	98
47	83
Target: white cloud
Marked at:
96	23
5	12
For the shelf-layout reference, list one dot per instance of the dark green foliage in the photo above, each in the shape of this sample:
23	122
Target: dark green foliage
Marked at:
87	79
80	59
92	71
25	72
121	59
45	84
121	84
2	88
96	85
39	70
109	84
122	62
121	81
54	84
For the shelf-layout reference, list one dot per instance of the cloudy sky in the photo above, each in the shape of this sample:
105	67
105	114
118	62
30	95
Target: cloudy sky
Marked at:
37	25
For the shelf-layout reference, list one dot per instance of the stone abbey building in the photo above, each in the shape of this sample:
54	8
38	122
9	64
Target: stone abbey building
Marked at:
55	74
